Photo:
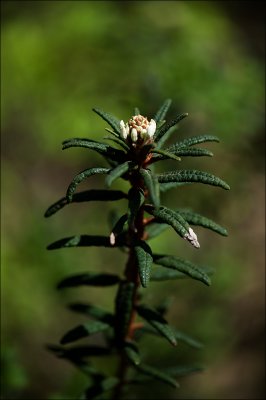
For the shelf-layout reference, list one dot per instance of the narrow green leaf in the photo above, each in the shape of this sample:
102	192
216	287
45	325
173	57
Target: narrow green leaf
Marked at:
100	386
183	370
135	200
171	185
123	308
191	152
160	133
162	274
156	320
157	374
101	148
165	155
199	220
84	330
78	352
80	177
131	350
192	176
92	311
184	266
183	337
86	195
117	172
152	185
84	241
161	113
180	336
110	119
176	221
116	140
144	261
89	279
195	140
166	136
136	111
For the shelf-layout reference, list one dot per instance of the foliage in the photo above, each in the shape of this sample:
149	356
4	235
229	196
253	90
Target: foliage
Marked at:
140	143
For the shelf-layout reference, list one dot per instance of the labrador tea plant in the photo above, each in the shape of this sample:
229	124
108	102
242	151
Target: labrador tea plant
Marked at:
137	146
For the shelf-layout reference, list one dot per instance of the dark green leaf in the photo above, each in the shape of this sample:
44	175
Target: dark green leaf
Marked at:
123	306
135	200
161	113
110	119
183	337
87	195
160	133
92	311
176	221
192	152
152	185
161	274
78	352
195	140
89	279
165	155
180	336
156	320
197	219
165	137
101	148
183	370
184	266
84	330
144	261
132	352
164	274
83	241
192	176
117	172
157	374
80	177
171	185
116	140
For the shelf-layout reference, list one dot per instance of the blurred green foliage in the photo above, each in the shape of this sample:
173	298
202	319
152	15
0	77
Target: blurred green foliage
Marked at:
60	59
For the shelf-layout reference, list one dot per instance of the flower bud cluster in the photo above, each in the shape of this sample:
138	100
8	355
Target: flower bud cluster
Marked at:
138	129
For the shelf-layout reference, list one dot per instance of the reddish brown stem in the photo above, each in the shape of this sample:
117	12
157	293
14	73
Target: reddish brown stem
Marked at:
132	275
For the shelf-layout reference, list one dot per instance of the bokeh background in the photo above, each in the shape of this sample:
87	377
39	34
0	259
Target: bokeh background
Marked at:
60	59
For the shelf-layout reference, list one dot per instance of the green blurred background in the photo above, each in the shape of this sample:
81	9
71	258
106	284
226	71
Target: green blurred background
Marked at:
60	59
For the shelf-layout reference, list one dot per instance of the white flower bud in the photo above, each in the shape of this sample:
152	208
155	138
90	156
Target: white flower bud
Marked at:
151	128
123	129
192	238
143	133
134	135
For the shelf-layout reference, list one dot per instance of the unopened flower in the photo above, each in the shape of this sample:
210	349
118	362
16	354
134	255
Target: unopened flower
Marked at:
192	238
138	129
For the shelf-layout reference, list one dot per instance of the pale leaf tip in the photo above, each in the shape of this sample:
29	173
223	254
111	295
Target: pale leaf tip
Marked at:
192	238
112	239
